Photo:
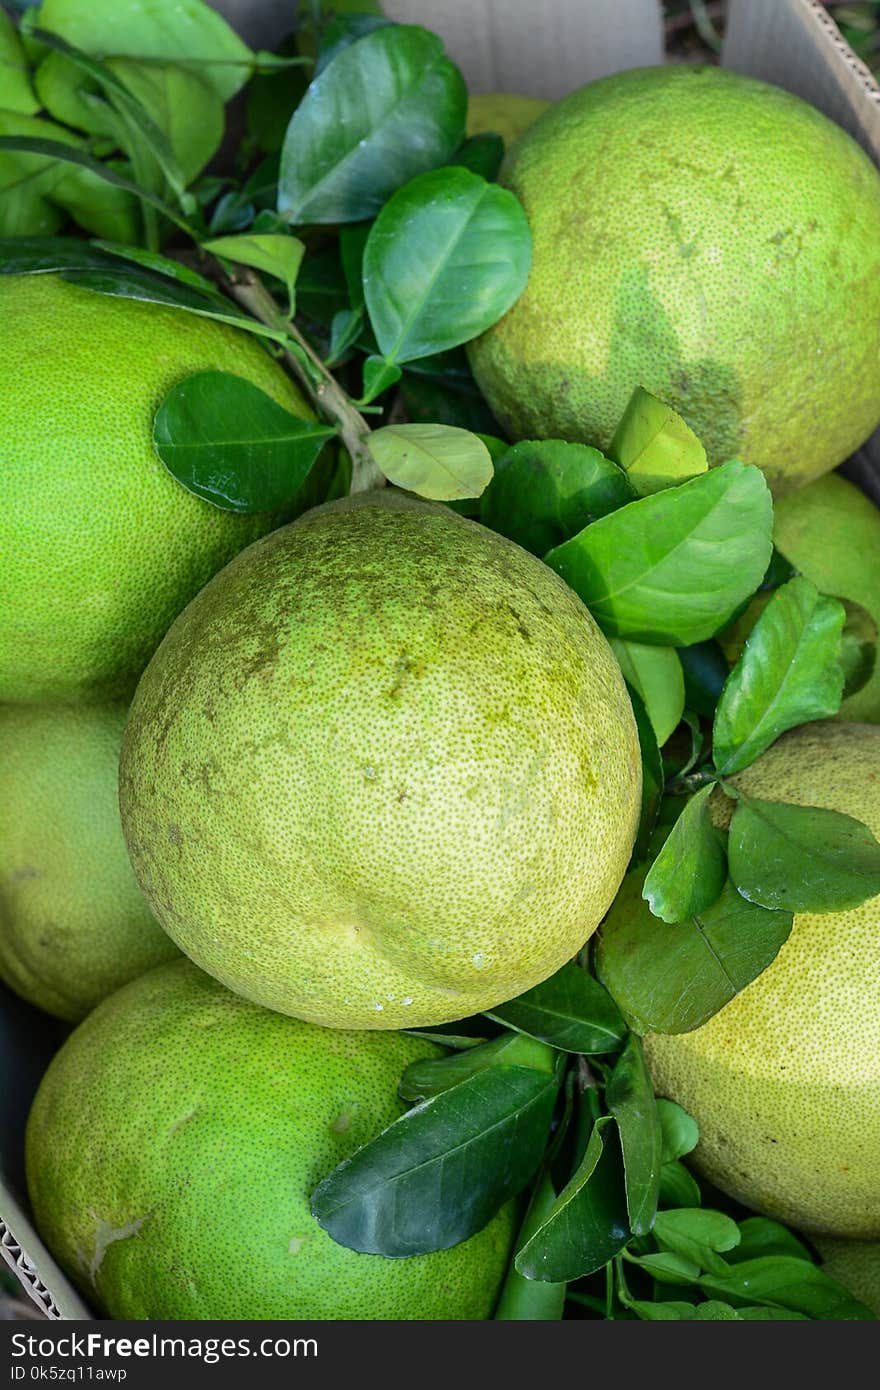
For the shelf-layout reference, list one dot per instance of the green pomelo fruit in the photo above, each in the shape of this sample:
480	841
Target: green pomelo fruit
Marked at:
102	548
503	113
383	771
710	238
74	925
173	1147
855	1264
783	1082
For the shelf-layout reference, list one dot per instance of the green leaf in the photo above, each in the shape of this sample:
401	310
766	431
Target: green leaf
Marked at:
544	491
446	257
570	1011
482	154
761	1236
379	375
858	647
441	1172
790	1284
184	106
160	265
655	672
705	671
690	871
436	461
801	858
15	83
629	1096
280	256
655	446
697	1234
652	775
787	675
431	1075
44	174
678	1187
680	1131
188	33
342	30
387	108
531	1300
37	255
673	568
586	1226
667	1267
232	445
672	979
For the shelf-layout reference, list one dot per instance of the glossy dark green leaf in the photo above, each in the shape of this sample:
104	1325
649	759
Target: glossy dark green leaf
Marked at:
680	1131
228	442
801	858
652	775
672	979
387	108
442	1171
482	154
629	1096
787	675
570	1011
344	29
448	255
705	671
441	462
545	491
280	256
352	244
673	568
36	255
587	1225
760	1236
691	869
655	446
678	1186
531	1300
160	265
431	1075
655	672
135	282
697	1234
857	653
441	390
790	1284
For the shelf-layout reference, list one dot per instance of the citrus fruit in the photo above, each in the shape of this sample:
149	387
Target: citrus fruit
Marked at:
855	1264
74	925
173	1147
383	771
783	1082
710	238
503	113
102	548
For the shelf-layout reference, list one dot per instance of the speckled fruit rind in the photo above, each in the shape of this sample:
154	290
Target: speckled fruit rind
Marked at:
503	113
101	547
74	925
173	1147
831	532
784	1082
711	238
855	1264
383	771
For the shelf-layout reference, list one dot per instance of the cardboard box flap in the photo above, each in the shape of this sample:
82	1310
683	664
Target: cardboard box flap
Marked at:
33	1266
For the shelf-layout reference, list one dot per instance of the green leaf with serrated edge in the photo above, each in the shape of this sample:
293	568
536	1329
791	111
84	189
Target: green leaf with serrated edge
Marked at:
691	869
447	256
379	375
680	1131
655	672
629	1096
672	569
759	1235
652	775
787	675
15	82
787	1283
441	1172
387	108
672	979
531	1300
280	256
570	1011
705	671
857	653
586	1226
187	33
134	282
544	491
231	444
431	1075
801	858
678	1186
656	447
437	461
698	1235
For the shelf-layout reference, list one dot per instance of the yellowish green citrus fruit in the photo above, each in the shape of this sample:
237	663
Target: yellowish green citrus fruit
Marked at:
74	925
102	548
710	238
503	113
383	771
783	1082
173	1147
855	1264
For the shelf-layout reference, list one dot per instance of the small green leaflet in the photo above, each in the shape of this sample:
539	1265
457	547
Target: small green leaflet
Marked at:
570	1011
680	1131
280	256
698	1235
656	673
655	446
437	461
429	1077
801	858
792	1285
788	674
228	442
448	255
629	1096
672	569
691	869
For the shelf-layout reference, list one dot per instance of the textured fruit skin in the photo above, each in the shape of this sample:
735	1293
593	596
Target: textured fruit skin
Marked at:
102	548
831	532
383	771
783	1082
173	1147
503	113
855	1264
74	925
708	237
